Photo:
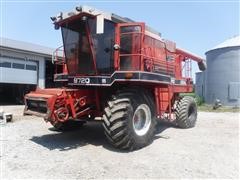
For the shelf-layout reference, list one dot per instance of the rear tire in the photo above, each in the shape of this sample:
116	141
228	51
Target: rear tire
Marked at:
129	119
186	112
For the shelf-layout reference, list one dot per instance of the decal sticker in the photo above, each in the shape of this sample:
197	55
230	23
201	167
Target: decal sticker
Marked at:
78	80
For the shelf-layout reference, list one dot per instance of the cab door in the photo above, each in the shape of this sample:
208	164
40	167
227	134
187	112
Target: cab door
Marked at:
129	41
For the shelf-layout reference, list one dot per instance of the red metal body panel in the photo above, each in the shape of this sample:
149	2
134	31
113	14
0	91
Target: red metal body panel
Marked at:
154	53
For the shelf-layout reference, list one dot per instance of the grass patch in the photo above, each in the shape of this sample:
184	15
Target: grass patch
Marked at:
209	108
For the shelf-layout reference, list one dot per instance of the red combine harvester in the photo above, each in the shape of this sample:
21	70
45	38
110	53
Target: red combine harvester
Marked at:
119	72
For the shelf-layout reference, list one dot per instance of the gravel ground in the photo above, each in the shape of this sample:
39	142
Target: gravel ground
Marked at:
31	149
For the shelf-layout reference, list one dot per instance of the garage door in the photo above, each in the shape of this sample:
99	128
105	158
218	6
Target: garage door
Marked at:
18	71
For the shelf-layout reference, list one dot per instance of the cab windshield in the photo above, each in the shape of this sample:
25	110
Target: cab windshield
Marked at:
88	53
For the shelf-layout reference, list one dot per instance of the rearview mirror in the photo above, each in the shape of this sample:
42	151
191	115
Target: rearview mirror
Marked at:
100	24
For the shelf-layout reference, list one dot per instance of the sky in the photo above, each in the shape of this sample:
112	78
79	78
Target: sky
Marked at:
194	25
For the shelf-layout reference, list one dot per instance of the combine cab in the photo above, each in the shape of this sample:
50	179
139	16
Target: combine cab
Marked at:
119	72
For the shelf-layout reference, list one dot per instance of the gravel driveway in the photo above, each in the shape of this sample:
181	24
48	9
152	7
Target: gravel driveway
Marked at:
31	149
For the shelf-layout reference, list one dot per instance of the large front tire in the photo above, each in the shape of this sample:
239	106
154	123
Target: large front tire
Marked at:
186	112
129	120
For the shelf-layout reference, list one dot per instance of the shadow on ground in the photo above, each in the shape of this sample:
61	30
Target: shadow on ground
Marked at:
162	126
91	133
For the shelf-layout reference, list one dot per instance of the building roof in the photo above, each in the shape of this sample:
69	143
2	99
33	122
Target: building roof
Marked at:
25	46
232	42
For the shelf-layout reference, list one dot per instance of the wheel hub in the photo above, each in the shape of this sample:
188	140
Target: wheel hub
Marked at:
142	120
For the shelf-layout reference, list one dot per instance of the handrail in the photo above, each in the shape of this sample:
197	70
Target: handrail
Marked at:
58	59
55	56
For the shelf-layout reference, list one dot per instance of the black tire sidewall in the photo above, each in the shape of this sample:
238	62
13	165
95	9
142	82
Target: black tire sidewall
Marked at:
192	118
184	120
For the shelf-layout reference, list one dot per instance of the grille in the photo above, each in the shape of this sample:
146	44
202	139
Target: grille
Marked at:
37	105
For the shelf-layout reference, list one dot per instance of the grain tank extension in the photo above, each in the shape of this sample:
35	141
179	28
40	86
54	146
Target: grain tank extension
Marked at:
119	72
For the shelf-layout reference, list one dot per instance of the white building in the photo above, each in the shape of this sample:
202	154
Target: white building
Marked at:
23	67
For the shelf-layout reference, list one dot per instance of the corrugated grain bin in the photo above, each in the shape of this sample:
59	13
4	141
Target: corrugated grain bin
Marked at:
222	78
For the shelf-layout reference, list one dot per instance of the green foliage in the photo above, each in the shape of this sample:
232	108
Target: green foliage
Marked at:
187	94
199	100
